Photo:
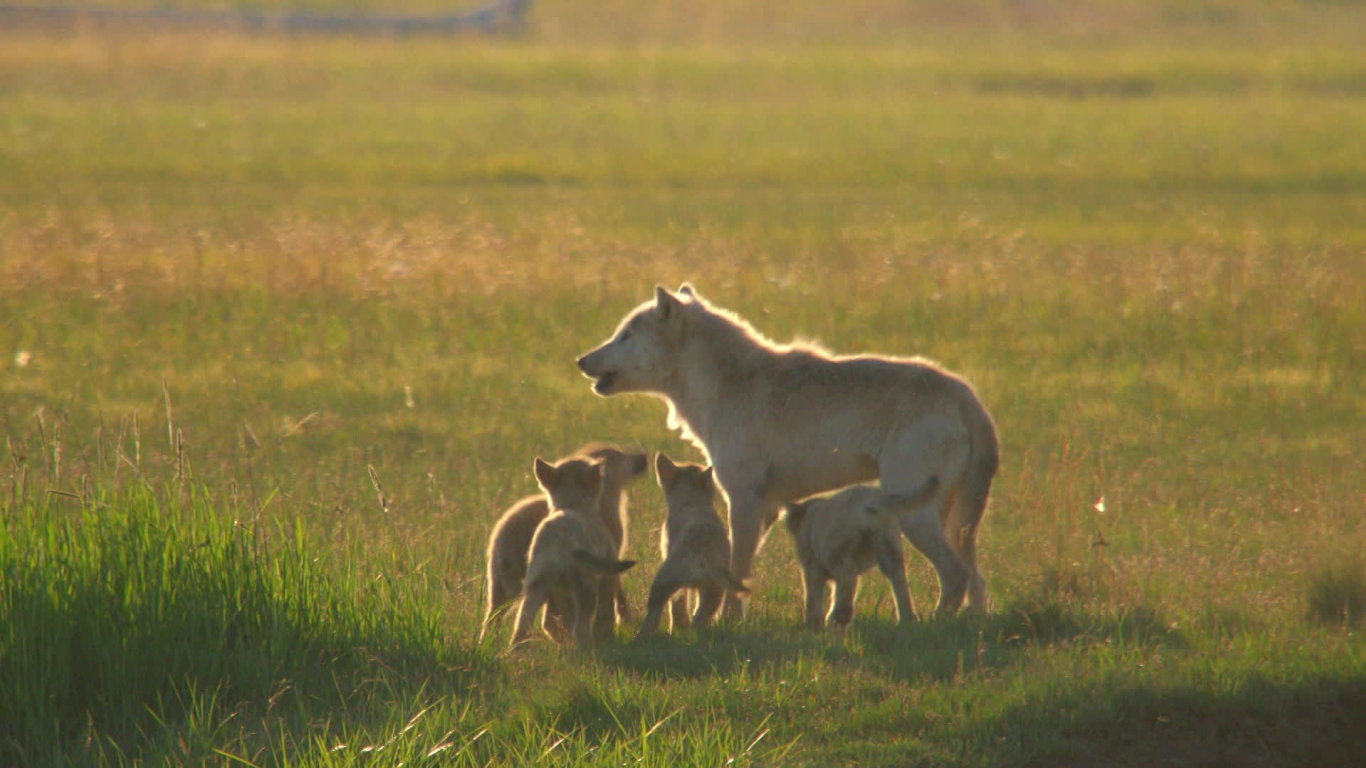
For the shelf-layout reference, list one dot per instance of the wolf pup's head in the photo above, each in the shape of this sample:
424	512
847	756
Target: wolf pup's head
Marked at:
685	484
572	484
640	355
618	467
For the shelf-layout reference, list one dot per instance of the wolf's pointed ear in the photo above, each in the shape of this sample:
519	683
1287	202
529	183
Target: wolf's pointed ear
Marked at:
545	472
665	302
665	470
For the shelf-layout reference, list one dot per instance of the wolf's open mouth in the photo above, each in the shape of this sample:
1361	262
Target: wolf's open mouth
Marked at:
603	384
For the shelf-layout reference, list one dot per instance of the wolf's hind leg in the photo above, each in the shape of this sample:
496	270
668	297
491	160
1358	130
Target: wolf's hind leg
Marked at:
925	533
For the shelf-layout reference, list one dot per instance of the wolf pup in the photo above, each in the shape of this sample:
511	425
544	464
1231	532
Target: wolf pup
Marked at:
781	422
695	547
839	537
510	541
572	558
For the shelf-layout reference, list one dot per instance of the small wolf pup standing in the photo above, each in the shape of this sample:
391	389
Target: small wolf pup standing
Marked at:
573	559
783	422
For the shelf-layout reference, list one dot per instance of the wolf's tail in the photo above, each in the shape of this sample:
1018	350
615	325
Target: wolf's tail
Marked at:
969	503
605	564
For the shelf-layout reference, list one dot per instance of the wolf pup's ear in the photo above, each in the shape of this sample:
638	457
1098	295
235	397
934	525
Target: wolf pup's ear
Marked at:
596	473
665	302
665	470
545	472
639	463
687	290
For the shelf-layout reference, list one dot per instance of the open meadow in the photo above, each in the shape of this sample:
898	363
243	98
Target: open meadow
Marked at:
285	320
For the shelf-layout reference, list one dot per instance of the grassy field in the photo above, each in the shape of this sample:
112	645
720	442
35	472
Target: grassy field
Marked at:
284	321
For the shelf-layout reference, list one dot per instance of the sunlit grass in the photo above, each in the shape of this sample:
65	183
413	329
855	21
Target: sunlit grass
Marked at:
293	315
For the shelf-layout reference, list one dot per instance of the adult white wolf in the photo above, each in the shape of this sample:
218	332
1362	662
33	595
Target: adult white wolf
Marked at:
782	422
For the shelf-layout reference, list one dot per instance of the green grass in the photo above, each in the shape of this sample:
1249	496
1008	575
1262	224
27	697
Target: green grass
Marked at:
283	322
129	615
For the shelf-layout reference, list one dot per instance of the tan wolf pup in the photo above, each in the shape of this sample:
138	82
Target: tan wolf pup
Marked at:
572	555
839	537
695	548
783	422
510	541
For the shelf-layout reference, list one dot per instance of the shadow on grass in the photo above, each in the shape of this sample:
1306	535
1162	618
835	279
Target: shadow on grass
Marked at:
718	652
1258	722
1337	594
942	649
935	649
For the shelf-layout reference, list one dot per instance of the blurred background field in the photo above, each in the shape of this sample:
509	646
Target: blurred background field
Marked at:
324	293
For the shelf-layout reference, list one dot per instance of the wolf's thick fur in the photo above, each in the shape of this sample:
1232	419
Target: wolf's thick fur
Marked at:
695	549
510	542
783	422
840	537
572	555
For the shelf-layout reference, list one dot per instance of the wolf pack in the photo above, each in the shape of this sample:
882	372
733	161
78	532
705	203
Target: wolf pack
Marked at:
851	452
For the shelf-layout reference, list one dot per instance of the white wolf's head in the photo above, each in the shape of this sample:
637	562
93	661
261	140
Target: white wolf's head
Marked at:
641	355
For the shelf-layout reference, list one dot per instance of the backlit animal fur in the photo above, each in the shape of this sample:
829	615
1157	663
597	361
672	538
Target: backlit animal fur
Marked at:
572	555
783	422
839	537
695	548
510	542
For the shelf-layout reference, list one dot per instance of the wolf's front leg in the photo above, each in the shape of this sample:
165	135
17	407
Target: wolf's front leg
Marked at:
750	517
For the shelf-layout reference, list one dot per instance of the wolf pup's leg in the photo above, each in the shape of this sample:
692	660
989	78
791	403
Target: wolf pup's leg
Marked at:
842	608
532	603
893	566
605	612
667	582
813	585
584	598
708	603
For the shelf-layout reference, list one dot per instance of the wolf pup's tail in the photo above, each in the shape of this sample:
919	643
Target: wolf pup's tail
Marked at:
605	564
729	581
